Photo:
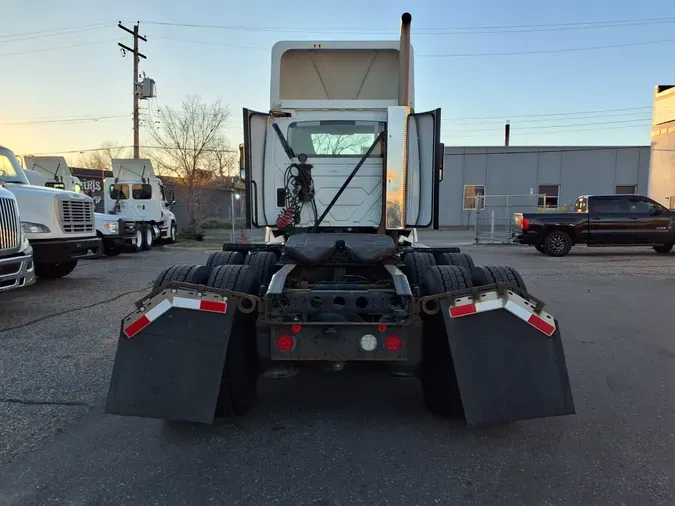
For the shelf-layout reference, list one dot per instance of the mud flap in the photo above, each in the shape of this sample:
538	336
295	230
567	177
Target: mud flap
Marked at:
507	368
170	358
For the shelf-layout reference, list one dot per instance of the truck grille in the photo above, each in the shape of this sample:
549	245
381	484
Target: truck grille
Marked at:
76	216
10	238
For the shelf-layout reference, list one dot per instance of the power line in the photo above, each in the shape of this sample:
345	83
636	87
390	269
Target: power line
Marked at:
549	114
568	125
45	32
458	30
45	35
59	47
83	119
548	132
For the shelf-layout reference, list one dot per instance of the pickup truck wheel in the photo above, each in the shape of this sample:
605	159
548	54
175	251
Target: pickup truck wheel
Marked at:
183	273
239	382
540	248
663	249
53	271
439	383
558	243
492	275
416	264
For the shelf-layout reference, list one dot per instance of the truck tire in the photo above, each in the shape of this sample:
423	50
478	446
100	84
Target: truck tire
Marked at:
224	258
173	230
112	252
663	249
239	382
558	243
53	271
458	259
491	275
137	243
439	383
183	273
540	248
416	264
263	265
148	237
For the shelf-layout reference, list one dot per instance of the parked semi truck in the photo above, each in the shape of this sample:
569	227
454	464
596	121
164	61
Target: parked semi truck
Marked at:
342	171
16	254
138	196
116	234
59	225
600	220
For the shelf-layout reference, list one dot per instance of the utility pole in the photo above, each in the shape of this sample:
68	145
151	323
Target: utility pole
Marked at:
507	133
137	56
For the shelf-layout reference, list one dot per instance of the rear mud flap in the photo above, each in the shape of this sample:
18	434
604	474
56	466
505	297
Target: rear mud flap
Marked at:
170	357
507	368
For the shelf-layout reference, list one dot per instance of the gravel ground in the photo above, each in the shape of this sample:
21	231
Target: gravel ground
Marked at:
338	438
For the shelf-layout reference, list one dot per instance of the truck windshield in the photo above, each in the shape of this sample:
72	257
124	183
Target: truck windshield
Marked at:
335	138
10	169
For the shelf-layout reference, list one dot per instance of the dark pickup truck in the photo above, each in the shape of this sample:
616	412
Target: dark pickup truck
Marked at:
600	220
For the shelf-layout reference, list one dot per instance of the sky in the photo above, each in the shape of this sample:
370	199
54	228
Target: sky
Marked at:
65	86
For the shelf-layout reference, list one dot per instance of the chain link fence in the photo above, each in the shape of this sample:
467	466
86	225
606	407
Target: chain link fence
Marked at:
495	215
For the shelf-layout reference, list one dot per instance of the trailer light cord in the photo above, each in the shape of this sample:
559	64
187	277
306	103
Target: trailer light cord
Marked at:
299	187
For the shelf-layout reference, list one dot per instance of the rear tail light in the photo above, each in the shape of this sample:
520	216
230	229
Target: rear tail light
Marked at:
285	342
524	223
393	343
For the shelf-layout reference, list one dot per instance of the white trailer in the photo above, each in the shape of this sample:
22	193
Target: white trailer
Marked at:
137	195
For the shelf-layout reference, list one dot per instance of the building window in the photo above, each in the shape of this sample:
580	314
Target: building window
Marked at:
471	191
626	189
551	193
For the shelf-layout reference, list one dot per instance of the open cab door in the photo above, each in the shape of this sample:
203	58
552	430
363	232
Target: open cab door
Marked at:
256	128
425	168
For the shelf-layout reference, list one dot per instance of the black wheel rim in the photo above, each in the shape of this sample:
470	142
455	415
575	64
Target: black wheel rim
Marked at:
558	244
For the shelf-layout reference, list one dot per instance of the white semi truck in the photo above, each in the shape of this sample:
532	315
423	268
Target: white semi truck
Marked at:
16	254
116	233
59	225
340	169
138	196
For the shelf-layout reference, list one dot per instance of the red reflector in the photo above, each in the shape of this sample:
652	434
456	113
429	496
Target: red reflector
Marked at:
296	328
393	343
137	326
381	328
524	223
285	342
540	324
213	306
464	310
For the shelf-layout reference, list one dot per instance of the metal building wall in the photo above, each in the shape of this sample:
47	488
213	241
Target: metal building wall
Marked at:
662	167
517	170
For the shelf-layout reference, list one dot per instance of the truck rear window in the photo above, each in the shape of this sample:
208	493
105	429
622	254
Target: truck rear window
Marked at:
119	191
141	191
335	138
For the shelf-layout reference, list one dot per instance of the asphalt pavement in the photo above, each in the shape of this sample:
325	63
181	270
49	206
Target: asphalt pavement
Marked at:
341	439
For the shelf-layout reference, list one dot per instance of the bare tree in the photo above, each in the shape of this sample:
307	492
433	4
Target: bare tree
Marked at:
222	160
329	144
102	159
185	142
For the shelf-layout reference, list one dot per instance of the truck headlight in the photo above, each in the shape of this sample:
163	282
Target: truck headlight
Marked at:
24	241
112	226
34	228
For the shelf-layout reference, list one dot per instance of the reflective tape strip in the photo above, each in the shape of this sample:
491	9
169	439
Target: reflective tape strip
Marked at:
213	306
186	303
148	317
478	307
137	326
536	321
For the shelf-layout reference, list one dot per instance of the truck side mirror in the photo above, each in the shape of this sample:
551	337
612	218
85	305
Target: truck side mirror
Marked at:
440	160
242	163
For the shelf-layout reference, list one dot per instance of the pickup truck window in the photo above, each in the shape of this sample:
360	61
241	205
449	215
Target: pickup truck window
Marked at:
609	206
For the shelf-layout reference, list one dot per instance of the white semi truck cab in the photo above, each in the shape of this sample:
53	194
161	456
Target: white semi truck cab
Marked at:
138	196
16	254
59	225
115	233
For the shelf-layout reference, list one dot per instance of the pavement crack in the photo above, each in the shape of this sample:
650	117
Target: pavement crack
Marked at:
73	310
27	402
